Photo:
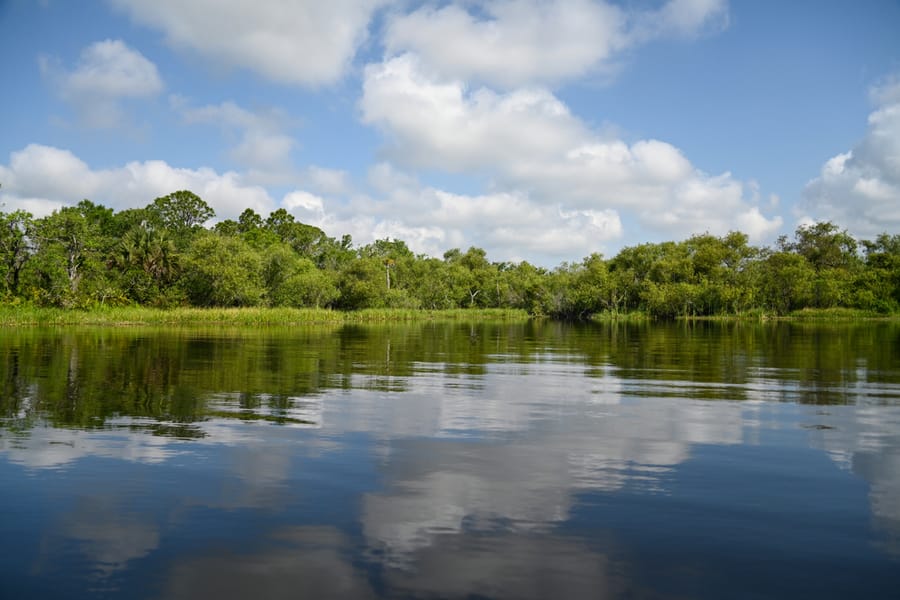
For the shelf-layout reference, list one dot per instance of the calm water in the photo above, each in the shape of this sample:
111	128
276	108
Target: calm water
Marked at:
453	461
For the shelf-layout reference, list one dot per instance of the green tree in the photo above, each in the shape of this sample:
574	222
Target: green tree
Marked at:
148	261
292	280
719	266
593	289
396	258
362	284
14	248
824	245
786	281
181	213
306	240
878	284
526	288
68	267
249	221
222	271
472	274
631	271
227	227
427	280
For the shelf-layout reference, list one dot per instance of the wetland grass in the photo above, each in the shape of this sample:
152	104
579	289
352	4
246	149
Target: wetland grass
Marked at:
22	315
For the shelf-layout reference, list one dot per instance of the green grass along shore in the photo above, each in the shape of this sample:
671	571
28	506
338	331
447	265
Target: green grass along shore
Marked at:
25	316
13	316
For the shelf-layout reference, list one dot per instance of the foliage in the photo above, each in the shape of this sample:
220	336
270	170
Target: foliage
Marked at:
181	212
222	271
14	249
161	255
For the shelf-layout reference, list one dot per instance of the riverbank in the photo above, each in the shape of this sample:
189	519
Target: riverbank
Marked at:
13	316
25	316
805	314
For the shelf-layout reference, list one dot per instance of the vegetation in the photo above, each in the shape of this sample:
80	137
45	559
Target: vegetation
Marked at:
161	257
12	315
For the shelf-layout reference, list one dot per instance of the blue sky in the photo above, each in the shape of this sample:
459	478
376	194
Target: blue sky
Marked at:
542	130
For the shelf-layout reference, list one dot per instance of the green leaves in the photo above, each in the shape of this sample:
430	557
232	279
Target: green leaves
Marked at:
222	271
14	249
181	212
160	255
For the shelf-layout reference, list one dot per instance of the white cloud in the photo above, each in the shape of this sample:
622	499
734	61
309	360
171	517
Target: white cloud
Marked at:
42	178
529	144
508	225
438	124
328	181
681	18
312	207
522	42
289	41
860	189
258	139
107	72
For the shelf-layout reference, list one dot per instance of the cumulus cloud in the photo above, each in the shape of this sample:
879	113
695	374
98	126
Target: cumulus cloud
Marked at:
328	181
310	205
860	189
529	143
522	42
508	225
259	141
42	178
681	18
107	73
295	42
439	124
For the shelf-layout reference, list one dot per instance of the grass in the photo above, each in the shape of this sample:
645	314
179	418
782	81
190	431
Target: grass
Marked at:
805	314
838	314
28	316
13	316
620	317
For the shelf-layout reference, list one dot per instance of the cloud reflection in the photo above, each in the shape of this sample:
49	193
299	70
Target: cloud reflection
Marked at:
152	441
441	484
866	441
300	562
507	565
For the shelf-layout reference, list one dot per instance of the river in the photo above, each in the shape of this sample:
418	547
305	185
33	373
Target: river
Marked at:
529	460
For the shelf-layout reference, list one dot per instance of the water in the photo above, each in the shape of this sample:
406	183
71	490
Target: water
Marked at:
457	461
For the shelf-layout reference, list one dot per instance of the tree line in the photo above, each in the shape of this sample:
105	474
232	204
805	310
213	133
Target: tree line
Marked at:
161	255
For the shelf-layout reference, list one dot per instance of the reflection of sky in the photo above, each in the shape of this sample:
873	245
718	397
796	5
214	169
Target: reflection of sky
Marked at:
297	562
452	482
866	441
130	438
507	565
107	533
436	483
46	447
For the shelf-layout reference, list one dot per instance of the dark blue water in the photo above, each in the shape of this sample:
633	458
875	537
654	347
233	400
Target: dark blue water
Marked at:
532	460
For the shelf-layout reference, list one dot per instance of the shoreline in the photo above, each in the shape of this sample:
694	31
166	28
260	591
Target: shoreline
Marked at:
28	316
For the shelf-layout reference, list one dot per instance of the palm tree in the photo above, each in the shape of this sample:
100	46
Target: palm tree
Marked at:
150	250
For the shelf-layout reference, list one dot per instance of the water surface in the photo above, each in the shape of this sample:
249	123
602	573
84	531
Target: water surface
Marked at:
537	460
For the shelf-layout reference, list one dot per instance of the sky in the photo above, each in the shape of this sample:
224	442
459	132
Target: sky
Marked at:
539	130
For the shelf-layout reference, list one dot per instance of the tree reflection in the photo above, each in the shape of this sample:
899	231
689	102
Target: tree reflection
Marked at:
463	454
